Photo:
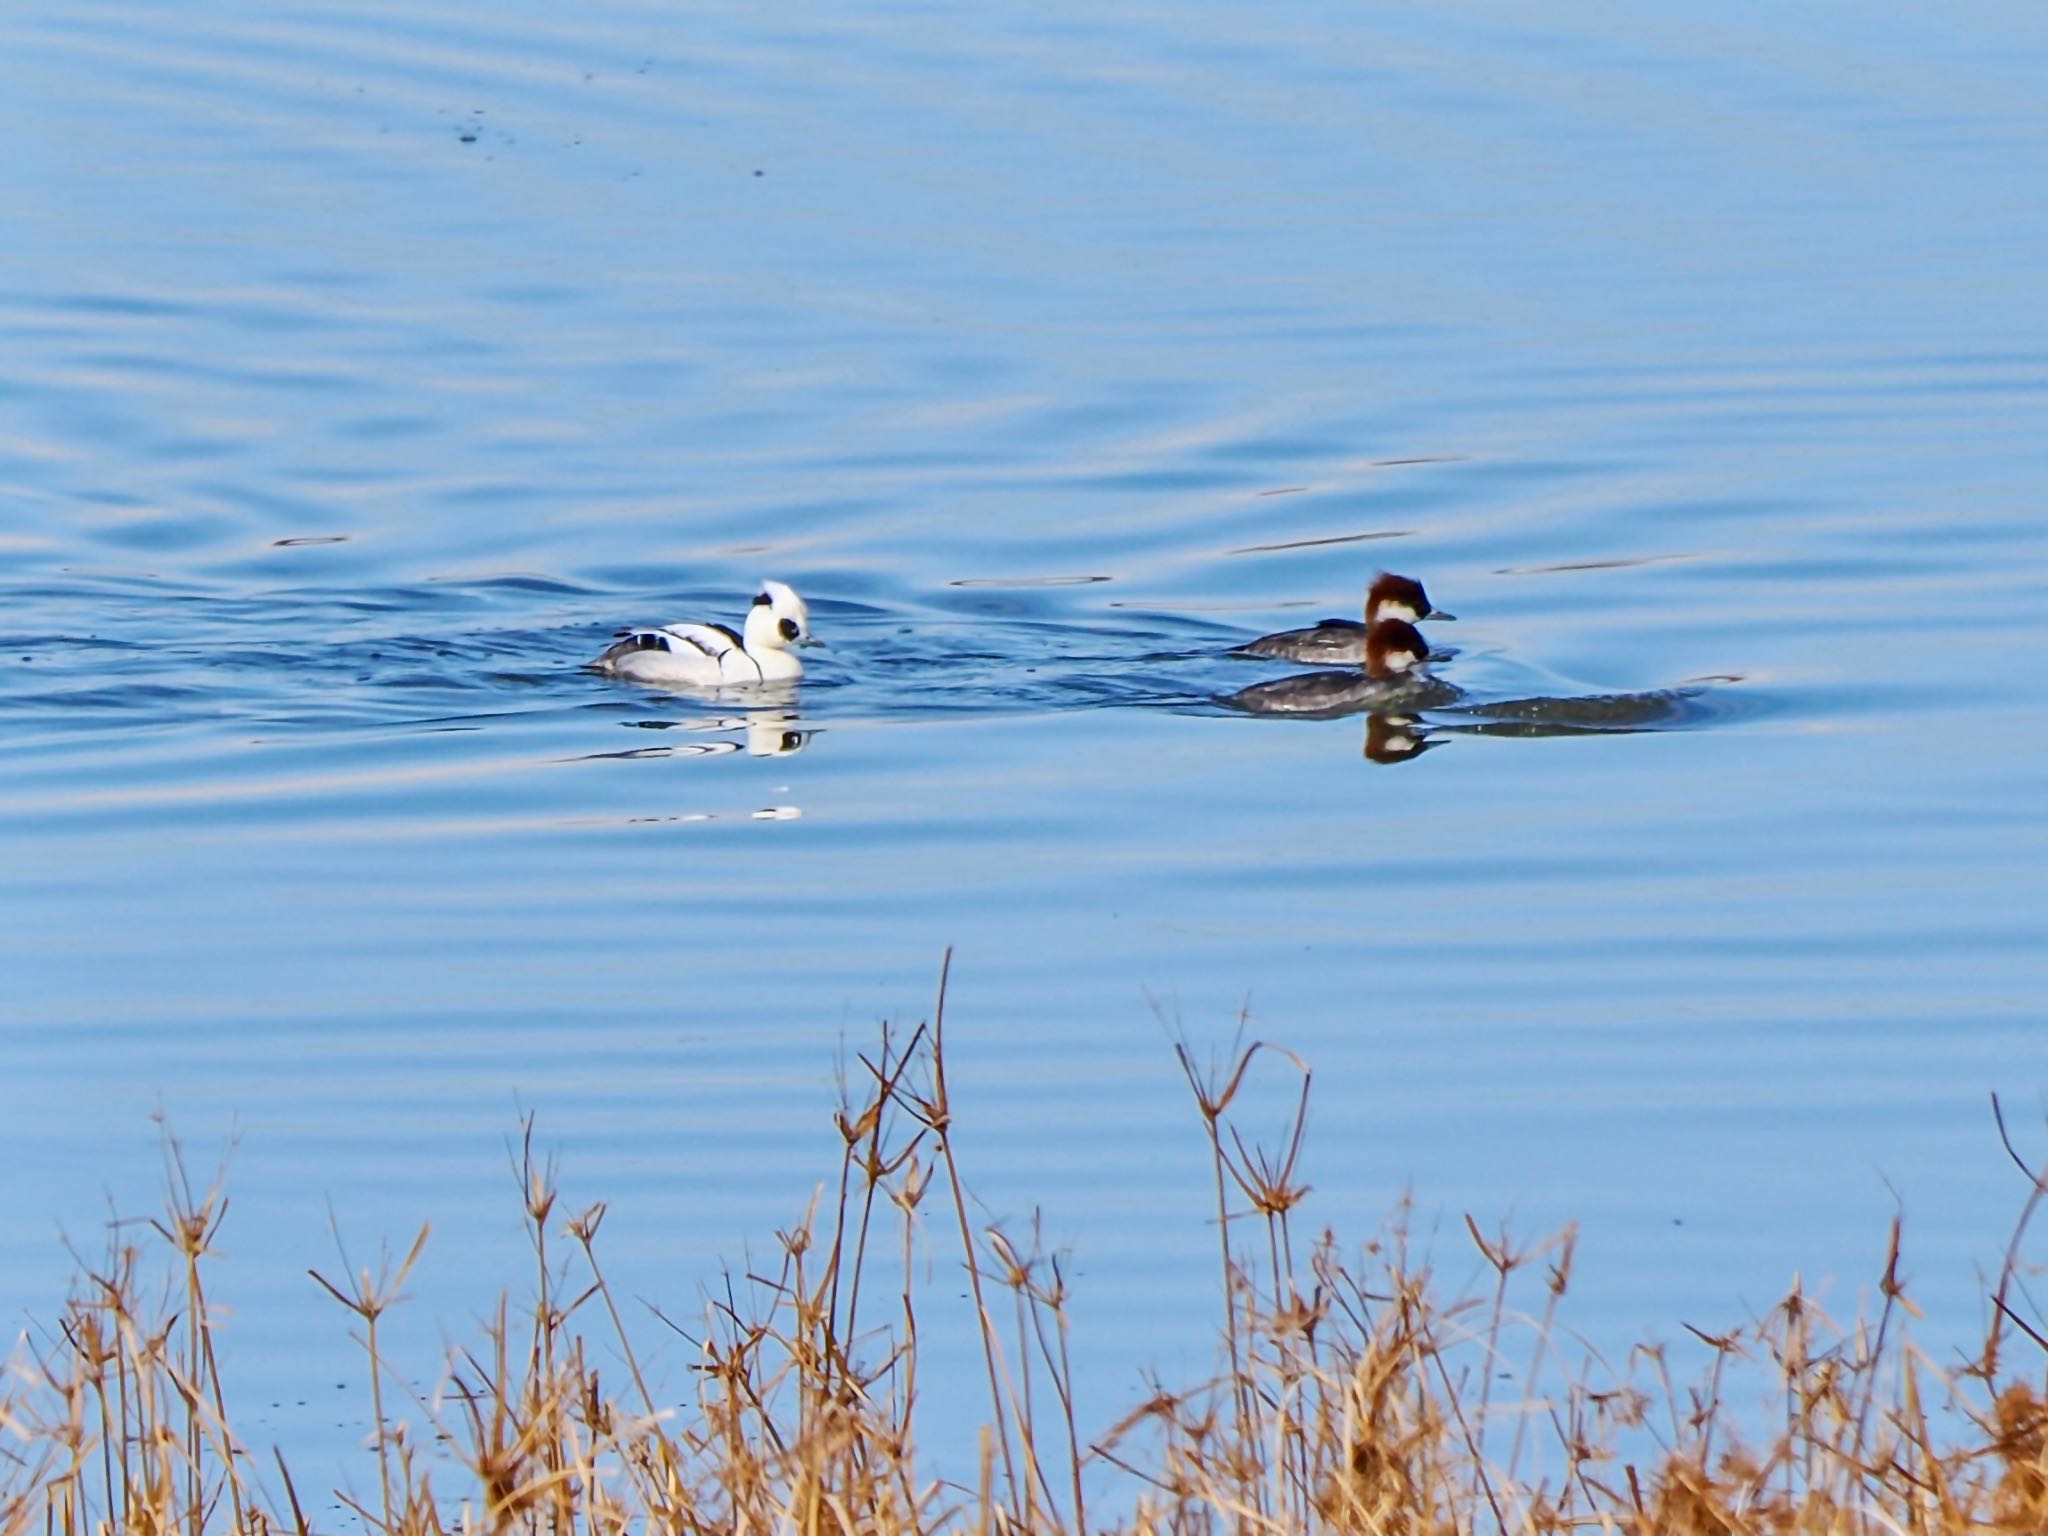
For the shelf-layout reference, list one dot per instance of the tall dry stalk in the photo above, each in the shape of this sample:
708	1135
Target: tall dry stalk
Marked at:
1353	1392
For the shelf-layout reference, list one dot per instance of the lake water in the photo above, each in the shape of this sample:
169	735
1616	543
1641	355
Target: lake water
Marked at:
363	366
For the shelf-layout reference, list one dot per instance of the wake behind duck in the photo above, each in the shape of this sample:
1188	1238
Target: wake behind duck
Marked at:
1393	686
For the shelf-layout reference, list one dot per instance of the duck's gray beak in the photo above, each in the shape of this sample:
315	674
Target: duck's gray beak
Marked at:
1440	616
809	640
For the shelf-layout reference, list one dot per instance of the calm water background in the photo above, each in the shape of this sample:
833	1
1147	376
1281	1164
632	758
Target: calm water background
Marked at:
362	366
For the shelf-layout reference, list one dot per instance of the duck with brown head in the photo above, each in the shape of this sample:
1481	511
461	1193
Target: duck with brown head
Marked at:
1395	674
1342	642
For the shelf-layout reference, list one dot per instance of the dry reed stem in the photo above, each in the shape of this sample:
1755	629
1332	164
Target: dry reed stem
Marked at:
1352	1394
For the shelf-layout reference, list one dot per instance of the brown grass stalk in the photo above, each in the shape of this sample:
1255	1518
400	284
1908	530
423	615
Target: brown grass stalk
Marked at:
1352	1392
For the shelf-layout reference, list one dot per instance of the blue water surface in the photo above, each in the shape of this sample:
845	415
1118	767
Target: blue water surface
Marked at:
364	364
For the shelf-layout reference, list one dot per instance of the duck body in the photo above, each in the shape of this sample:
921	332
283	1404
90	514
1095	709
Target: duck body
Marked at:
715	655
1343	642
1330	643
1395	675
1333	694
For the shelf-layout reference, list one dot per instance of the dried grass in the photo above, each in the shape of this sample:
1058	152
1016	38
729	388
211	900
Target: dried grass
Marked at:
1352	1395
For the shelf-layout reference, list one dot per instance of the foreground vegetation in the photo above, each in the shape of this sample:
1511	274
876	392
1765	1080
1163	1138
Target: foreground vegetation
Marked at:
1351	1395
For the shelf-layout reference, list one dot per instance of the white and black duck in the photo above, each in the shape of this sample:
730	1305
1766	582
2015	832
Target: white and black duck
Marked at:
714	655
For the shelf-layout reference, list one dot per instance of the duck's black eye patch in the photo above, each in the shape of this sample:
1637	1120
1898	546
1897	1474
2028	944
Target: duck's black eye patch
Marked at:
761	599
789	629
791	740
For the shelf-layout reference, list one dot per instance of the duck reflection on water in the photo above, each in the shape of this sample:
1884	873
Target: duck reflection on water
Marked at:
1396	738
757	732
1394	688
1396	731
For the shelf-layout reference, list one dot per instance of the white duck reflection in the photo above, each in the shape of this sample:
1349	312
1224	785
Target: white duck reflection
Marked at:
776	733
757	732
